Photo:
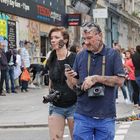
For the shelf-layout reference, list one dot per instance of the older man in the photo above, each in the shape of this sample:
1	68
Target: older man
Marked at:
98	69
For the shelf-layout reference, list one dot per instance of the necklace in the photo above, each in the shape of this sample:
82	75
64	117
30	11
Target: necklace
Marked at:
62	58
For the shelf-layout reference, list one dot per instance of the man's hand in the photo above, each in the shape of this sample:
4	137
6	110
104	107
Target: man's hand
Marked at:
89	82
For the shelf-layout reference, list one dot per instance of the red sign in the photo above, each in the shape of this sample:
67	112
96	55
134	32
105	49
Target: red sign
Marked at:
74	19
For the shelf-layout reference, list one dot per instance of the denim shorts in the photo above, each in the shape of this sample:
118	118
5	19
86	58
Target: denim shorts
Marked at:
67	112
88	128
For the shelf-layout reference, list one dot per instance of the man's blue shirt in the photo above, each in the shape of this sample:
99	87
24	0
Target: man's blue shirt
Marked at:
101	107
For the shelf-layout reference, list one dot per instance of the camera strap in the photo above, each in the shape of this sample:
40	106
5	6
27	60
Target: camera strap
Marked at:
103	64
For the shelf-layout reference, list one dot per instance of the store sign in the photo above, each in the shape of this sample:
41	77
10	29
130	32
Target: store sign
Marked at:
31	10
116	1
73	19
11	34
100	13
3	27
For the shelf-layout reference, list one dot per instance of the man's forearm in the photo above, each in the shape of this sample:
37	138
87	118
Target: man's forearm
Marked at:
110	80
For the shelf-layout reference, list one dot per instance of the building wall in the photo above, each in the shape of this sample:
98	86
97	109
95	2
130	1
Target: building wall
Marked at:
123	26
33	22
31	31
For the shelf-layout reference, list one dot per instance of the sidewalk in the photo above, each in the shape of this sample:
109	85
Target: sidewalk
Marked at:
27	109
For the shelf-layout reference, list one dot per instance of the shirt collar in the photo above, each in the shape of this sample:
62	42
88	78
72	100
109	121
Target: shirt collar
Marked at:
102	52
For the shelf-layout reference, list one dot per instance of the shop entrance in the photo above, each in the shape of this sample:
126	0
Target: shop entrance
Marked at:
44	47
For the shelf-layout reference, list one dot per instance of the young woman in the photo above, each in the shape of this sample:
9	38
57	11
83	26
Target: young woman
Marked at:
63	108
131	78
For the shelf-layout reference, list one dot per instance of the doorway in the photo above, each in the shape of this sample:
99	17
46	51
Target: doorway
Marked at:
44	47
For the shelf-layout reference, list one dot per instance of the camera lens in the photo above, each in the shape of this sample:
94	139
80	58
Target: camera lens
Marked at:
96	90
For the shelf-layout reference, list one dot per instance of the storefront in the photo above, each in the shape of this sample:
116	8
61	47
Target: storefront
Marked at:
22	20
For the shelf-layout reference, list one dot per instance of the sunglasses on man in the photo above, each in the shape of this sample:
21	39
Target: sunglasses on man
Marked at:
88	26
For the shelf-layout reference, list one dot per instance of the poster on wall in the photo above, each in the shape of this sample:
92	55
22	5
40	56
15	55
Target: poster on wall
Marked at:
11	34
3	28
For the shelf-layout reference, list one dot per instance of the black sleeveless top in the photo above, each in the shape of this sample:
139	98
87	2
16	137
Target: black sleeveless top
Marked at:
57	76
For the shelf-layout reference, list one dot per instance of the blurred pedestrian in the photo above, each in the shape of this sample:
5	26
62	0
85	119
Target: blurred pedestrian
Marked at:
136	62
3	67
11	59
76	47
131	80
17	68
123	88
25	58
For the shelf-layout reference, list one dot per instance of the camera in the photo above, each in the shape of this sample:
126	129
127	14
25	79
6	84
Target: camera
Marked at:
53	96
77	89
96	91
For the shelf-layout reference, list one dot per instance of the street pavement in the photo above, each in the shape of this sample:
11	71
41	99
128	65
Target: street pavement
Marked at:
27	110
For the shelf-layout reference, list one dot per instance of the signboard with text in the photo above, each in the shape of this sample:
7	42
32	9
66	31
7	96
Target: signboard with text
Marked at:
11	34
30	9
73	19
100	13
116	1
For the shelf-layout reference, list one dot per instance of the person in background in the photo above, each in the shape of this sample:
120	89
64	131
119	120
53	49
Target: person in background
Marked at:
84	45
136	63
17	69
25	59
128	64
76	47
11	59
124	88
3	67
97	67
62	109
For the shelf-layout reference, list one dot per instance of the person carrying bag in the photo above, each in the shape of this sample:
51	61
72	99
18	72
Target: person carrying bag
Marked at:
25	77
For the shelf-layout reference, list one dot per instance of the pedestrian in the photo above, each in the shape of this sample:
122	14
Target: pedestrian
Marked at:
25	58
3	67
11	59
97	69
124	88
17	68
76	47
62	109
131	80
136	63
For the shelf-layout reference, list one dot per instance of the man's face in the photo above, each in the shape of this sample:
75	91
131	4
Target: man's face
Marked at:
93	40
2	45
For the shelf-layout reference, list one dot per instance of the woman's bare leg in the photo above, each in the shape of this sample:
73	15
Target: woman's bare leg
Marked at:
70	122
56	127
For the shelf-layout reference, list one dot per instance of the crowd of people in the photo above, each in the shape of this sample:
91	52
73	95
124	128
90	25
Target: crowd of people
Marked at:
87	87
12	64
130	88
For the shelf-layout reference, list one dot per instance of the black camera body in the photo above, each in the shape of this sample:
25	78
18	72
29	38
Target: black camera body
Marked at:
96	91
53	96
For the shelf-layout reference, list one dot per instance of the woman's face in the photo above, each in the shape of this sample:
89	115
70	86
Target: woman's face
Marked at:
55	38
127	55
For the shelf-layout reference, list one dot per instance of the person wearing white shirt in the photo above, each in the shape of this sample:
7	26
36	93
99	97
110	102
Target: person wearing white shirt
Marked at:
25	59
